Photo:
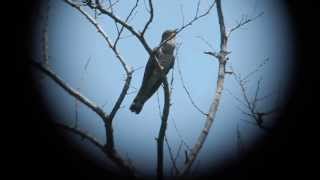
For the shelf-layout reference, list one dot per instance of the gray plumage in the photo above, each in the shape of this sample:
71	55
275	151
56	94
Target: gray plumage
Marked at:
152	74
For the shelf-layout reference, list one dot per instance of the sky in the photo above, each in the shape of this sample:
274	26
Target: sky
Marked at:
73	42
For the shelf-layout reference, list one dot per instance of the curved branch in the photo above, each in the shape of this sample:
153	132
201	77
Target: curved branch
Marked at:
123	23
150	18
121	97
126	67
162	131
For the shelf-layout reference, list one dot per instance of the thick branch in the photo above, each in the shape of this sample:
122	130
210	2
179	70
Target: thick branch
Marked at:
223	32
216	100
163	128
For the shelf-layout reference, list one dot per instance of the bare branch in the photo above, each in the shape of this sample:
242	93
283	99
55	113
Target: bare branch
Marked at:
108	148
207	43
163	128
111	10
82	134
258	68
235	97
126	67
126	20
215	103
255	99
123	23
244	20
174	166
76	94
122	96
187	91
150	18
197	16
180	136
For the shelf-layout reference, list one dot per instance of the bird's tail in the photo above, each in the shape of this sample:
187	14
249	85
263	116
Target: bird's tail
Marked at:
136	105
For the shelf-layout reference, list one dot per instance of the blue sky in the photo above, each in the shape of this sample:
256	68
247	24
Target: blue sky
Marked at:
72	41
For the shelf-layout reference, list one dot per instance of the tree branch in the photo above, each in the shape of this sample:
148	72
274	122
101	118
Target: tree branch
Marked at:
163	127
126	67
222	57
76	94
126	21
123	23
109	148
150	18
112	155
187	91
244	21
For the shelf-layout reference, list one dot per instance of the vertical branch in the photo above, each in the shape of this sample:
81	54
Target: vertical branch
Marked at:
222	57
163	127
150	18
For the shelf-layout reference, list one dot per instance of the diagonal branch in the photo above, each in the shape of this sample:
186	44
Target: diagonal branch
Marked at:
111	155
174	165
244	21
125	25
187	91
82	134
194	19
126	20
76	94
121	97
109	148
126	67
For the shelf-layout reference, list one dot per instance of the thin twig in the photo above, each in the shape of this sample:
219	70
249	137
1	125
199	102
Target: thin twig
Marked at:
150	18
187	91
244	20
171	156
126	20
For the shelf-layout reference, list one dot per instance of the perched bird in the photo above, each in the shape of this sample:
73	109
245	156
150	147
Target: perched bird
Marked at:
152	77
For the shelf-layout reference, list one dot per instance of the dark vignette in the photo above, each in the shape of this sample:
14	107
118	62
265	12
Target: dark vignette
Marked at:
39	151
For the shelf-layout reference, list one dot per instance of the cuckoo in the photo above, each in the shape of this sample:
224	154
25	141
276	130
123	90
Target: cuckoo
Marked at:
153	73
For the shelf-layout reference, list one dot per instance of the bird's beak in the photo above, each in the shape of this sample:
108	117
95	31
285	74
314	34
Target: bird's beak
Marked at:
175	30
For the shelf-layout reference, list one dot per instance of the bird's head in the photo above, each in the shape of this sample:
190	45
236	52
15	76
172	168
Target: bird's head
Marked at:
168	34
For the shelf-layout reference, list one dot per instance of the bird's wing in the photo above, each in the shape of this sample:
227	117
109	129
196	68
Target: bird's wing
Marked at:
150	67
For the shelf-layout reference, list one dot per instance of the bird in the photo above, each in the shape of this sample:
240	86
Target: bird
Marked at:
152	78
